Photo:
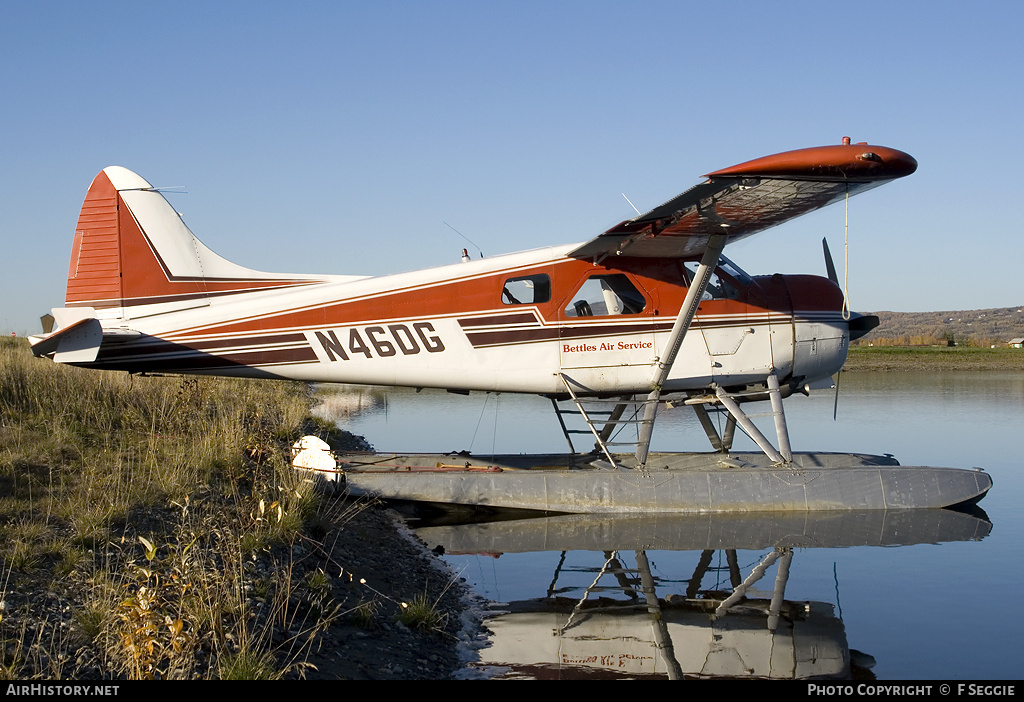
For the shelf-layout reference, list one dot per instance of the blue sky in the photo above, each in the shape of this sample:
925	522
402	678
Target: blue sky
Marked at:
340	137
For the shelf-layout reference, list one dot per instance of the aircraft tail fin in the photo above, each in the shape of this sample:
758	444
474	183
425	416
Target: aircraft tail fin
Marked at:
132	248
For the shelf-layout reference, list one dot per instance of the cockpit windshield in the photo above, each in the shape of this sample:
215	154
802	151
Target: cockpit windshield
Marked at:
727	282
741	276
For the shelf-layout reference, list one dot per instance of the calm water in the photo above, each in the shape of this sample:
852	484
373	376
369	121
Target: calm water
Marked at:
913	596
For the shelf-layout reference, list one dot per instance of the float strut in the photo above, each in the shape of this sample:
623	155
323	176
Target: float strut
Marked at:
709	428
780	418
748	426
740	591
781	578
662	639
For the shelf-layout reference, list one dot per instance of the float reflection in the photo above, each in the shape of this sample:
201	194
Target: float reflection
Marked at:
730	621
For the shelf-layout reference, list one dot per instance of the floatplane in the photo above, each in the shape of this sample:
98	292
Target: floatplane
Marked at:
648	312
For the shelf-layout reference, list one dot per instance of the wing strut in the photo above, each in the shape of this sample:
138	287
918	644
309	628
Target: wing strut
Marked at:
663	366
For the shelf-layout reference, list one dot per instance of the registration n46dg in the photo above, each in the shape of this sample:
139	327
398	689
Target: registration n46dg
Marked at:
379	341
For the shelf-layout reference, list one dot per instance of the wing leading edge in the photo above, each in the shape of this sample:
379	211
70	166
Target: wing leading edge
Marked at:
751	197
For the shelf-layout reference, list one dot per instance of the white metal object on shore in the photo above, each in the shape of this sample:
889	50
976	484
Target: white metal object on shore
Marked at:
312	453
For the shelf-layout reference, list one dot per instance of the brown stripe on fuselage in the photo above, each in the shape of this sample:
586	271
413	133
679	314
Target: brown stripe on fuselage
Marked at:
196	361
498	320
154	345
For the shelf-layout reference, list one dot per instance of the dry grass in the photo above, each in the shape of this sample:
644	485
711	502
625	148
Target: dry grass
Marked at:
168	506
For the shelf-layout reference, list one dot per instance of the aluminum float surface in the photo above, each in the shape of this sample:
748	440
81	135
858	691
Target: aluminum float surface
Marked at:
677	482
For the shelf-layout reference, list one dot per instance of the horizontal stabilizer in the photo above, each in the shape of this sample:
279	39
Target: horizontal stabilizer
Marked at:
75	335
79	342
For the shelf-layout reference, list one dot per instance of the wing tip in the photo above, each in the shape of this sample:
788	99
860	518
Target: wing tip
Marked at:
838	162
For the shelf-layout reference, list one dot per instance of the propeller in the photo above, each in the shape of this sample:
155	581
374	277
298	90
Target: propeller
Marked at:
859	324
829	266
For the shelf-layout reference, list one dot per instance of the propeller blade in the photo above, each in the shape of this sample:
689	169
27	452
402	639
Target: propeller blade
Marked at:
861	324
835	403
829	265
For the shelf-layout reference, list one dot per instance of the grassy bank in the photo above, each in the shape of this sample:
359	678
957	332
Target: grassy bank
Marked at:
152	527
933	358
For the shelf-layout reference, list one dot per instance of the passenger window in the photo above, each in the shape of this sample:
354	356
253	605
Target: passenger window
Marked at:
528	290
603	295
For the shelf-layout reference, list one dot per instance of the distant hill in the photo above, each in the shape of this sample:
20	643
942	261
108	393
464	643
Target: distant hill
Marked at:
965	327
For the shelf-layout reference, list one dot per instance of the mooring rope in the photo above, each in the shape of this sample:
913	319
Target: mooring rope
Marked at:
846	259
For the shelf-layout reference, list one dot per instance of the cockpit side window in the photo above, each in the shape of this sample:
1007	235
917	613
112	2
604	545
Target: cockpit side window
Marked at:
527	290
603	295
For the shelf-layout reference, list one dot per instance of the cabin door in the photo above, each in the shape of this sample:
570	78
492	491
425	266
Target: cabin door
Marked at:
606	342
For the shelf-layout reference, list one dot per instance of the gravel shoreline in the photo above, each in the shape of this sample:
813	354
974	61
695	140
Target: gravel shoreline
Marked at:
377	547
378	558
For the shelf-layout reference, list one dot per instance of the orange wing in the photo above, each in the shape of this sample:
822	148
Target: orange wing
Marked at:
751	197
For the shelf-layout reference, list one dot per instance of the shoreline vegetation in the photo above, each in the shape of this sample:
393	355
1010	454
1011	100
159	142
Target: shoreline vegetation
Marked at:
934	358
152	527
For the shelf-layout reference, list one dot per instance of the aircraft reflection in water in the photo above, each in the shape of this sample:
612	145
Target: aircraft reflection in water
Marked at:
619	625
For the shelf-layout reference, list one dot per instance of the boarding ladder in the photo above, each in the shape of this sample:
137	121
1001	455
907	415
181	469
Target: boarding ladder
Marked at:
605	418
